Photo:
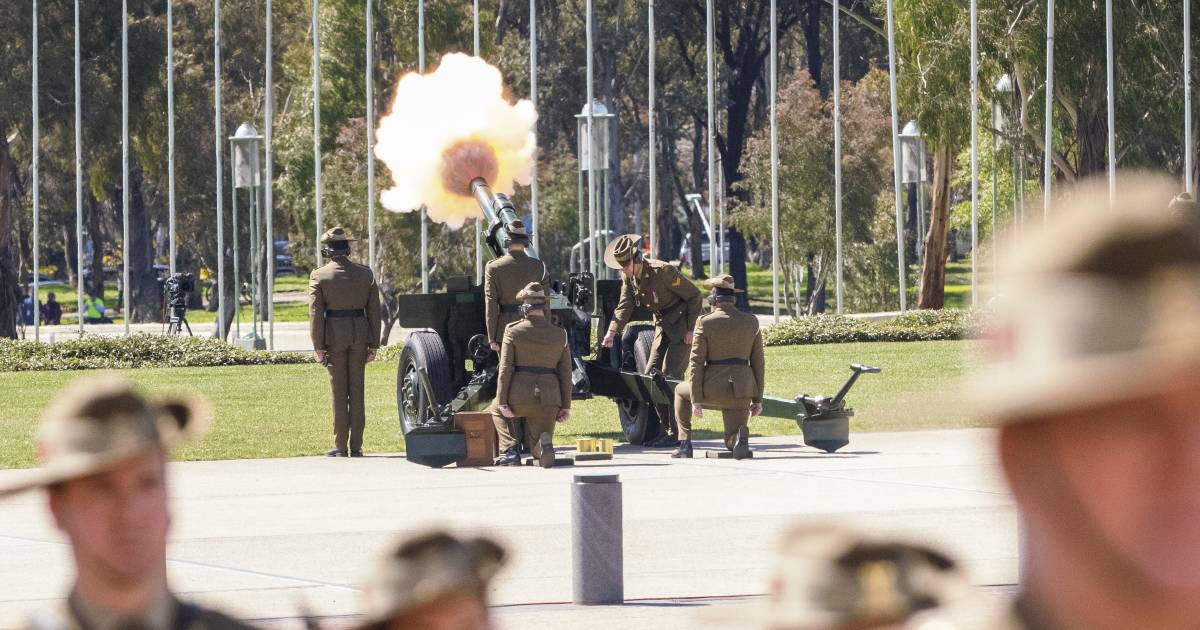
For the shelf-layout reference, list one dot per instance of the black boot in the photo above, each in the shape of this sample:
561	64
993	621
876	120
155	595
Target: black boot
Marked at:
546	443
511	456
335	453
684	450
741	443
665	440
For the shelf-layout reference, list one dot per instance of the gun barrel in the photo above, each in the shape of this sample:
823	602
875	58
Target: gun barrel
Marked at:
499	211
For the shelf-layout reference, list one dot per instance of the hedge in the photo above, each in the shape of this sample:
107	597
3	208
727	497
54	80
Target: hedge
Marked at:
912	326
137	351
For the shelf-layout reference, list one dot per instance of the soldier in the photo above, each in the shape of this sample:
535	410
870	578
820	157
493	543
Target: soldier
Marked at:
534	382
674	302
504	277
1185	206
832	577
727	371
434	581
1094	386
104	468
343	317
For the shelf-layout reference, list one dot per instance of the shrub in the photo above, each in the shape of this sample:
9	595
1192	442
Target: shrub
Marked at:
137	351
912	326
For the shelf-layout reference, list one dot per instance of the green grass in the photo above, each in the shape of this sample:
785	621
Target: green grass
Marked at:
283	410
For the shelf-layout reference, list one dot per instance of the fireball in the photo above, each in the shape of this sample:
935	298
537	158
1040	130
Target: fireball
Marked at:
445	129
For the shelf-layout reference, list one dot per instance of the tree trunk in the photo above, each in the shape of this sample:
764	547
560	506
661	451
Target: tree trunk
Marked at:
70	256
96	285
932	294
10	291
1092	136
812	43
144	289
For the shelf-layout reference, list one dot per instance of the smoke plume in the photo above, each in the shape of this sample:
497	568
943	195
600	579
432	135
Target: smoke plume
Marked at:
448	127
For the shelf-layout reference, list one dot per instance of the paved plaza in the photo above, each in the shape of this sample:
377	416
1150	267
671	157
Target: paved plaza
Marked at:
268	538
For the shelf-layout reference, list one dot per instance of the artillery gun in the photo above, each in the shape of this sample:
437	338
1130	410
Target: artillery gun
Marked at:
446	365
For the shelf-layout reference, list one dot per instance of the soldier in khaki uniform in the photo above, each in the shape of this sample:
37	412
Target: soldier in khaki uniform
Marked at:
504	277
103	450
343	317
727	371
672	299
433	581
534	382
1094	384
832	577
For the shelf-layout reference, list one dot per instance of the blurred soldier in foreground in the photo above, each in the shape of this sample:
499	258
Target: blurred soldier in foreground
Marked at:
1095	388
504	277
343	317
672	299
727	371
433	582
103	452
829	577
1184	206
534	381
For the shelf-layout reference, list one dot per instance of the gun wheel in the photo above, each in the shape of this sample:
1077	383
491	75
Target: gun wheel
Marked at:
421	350
639	421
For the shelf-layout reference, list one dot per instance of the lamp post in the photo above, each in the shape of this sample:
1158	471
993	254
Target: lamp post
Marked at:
244	145
600	120
1004	92
912	171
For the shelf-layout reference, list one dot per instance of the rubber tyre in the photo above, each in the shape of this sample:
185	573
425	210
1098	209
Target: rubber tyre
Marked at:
639	421
421	349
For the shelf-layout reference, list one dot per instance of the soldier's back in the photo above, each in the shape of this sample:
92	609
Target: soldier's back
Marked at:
512	272
536	344
344	283
729	332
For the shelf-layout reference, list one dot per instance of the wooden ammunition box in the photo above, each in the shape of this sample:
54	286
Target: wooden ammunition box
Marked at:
481	437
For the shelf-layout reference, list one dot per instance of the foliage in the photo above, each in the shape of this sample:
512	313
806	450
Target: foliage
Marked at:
946	324
806	194
135	352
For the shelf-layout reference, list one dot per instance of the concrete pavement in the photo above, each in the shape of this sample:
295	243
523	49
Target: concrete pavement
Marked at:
262	537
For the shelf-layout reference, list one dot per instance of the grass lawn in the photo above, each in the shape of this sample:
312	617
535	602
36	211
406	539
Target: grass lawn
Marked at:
277	411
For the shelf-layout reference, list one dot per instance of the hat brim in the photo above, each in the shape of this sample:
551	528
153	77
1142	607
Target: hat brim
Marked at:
1012	396
610	253
711	287
180	420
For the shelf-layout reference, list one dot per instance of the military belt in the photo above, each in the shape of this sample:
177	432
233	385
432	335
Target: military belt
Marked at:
727	362
350	312
534	370
510	308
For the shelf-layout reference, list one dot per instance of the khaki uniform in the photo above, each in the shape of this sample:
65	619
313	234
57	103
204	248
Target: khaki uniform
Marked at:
675	304
343	315
534	381
727	370
171	613
502	279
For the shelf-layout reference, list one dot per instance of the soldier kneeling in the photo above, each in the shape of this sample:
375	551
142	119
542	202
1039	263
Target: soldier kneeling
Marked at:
727	371
534	382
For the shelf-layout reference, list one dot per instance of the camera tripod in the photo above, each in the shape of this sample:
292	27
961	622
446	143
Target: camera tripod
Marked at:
178	319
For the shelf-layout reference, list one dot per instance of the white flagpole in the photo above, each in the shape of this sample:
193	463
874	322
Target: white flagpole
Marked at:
1112	115
533	92
371	139
478	222
712	136
125	249
974	155
424	211
837	146
591	146
1048	166
1187	96
220	171
652	146
78	182
171	131
269	184
37	252
775	165
896	154
316	130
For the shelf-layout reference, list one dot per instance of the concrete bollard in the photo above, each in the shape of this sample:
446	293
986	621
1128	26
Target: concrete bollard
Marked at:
597	560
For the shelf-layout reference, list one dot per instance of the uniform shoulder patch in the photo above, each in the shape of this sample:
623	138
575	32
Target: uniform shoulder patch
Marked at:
678	281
